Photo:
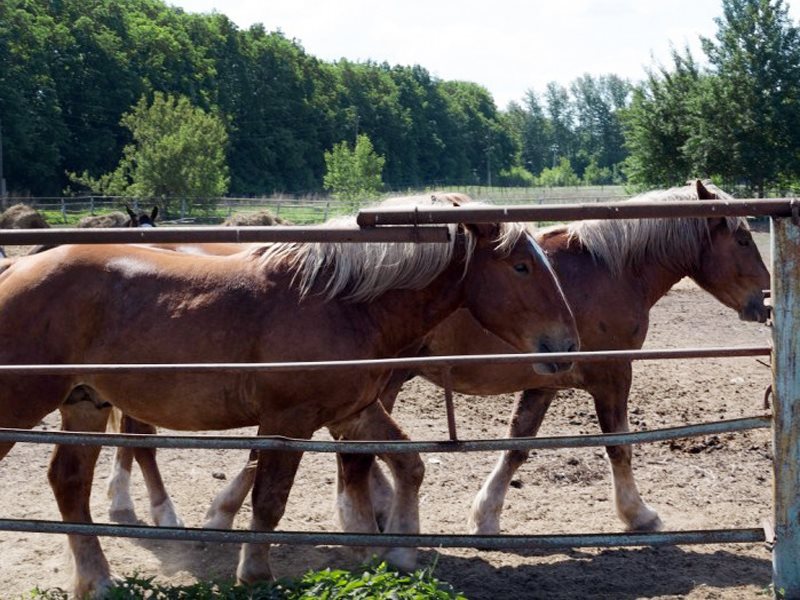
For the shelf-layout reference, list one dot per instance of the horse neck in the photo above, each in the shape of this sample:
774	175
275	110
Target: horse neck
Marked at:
406	316
656	280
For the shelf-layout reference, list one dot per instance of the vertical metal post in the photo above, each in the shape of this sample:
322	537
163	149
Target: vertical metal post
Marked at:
786	413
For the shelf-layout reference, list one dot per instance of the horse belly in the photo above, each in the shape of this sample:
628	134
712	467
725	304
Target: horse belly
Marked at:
179	402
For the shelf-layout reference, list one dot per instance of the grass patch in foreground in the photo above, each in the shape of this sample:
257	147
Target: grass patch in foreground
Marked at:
372	581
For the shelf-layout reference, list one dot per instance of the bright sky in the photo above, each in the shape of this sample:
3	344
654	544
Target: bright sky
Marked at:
508	46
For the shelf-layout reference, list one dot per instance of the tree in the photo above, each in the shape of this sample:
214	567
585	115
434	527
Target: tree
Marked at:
178	150
661	120
560	175
354	174
755	113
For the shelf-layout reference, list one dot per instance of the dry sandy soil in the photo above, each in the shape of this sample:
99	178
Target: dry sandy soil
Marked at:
707	482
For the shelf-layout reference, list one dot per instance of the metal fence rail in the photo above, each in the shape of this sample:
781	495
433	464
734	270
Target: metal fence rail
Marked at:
378	447
483	542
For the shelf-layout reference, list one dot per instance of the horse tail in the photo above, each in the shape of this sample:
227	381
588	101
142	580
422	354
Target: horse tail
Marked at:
115	421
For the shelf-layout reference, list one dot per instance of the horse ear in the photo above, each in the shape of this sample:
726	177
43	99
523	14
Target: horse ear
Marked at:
131	214
703	193
154	214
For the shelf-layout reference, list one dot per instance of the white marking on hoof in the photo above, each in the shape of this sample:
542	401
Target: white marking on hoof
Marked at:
219	519
122	508
404	559
165	515
646	520
484	518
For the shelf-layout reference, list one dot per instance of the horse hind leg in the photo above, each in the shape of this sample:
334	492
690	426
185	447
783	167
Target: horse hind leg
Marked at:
527	417
162	510
611	406
70	474
122	509
274	477
408	470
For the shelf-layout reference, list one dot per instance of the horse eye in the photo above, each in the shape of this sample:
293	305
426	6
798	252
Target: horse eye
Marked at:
743	241
521	268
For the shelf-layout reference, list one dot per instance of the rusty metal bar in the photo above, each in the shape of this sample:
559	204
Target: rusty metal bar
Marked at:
169	235
377	447
370	217
786	393
386	363
447	383
483	542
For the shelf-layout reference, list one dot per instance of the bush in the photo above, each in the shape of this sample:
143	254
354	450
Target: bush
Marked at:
374	580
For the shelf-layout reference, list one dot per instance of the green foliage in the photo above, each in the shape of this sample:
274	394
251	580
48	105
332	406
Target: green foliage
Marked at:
739	119
374	581
593	174
755	60
177	151
560	175
516	177
659	123
354	174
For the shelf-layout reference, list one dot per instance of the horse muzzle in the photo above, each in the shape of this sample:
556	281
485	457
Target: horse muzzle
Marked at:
755	310
548	346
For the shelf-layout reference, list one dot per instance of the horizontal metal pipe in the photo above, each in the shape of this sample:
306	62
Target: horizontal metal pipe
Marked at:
368	217
378	447
483	542
385	363
170	235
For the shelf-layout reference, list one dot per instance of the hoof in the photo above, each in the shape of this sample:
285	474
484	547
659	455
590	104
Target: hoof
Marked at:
649	521
404	559
123	515
164	515
486	526
219	520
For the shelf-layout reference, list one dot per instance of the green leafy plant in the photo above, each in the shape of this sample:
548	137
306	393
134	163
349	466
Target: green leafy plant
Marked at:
353	175
374	580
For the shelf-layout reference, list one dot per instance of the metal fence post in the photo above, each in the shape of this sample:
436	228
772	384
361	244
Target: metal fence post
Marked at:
786	387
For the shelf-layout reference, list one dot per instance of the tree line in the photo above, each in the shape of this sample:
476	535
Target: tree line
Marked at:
76	75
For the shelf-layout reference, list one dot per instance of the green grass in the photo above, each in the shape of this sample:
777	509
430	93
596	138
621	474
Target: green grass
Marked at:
373	581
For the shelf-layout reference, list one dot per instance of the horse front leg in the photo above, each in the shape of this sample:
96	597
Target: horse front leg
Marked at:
527	417
70	473
408	470
275	472
611	405
227	503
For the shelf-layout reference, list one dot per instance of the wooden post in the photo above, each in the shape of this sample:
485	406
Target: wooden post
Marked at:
786	415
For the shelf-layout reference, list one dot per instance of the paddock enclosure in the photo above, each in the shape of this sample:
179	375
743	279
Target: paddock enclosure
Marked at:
708	482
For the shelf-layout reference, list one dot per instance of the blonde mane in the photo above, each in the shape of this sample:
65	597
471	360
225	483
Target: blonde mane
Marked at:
673	243
362	272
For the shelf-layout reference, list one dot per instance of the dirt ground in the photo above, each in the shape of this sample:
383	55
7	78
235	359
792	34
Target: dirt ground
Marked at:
707	482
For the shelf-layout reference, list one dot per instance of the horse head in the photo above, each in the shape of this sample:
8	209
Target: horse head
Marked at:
142	219
513	292
730	265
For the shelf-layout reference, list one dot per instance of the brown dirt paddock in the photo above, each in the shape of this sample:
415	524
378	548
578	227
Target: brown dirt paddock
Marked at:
708	482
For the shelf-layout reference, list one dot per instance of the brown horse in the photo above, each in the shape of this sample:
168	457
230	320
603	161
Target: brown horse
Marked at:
281	302
602	266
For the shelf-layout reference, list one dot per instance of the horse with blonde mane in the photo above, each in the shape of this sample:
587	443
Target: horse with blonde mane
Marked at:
279	302
612	273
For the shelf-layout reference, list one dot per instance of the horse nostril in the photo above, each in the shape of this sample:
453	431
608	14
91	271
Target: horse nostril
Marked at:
544	348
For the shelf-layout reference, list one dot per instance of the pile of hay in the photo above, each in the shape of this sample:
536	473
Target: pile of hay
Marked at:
262	218
22	216
112	219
